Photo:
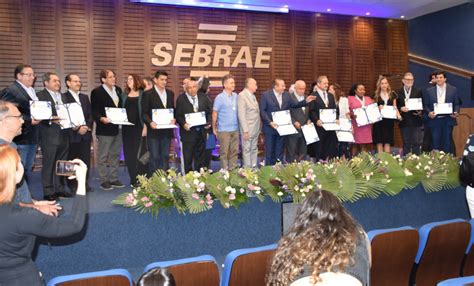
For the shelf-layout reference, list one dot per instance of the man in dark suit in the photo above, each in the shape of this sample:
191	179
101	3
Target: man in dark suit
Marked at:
411	124
296	144
108	134
54	141
273	100
441	126
158	97
193	138
326	147
21	91
80	136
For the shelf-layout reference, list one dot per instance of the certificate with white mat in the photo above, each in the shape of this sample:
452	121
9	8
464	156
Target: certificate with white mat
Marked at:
443	108
41	110
283	121
71	115
414	104
367	115
328	118
196	118
309	133
389	112
117	116
163	117
344	134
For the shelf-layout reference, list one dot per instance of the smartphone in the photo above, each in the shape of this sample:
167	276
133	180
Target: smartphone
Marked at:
65	168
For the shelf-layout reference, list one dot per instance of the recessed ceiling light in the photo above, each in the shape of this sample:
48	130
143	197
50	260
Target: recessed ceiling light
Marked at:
402	16
221	5
285	6
328	9
318	15
367	13
240	2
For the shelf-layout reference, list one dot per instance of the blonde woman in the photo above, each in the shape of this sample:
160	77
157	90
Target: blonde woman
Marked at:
20	226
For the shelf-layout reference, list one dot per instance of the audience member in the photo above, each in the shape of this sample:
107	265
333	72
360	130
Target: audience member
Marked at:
156	277
147	83
466	172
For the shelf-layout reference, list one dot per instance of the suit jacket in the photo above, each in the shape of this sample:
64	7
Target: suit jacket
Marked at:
51	133
87	111
298	114
183	106
269	104
151	100
408	118
100	99
315	106
17	94
248	113
431	97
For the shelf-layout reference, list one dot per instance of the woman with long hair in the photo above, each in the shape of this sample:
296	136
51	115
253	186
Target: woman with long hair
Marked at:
343	104
133	135
362	134
382	131
19	226
325	244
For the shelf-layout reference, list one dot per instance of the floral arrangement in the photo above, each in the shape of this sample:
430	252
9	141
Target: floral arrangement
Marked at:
365	176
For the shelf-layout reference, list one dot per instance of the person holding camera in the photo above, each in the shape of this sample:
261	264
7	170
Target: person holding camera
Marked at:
19	226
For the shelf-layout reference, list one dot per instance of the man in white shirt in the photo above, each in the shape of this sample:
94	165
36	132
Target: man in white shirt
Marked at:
21	91
249	122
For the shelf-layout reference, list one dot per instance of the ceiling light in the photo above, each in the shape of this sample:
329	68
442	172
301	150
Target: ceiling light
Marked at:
367	13
402	16
328	9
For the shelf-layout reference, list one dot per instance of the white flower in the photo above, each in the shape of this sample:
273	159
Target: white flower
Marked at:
303	180
187	185
280	194
407	172
196	182
297	188
163	179
257	192
310	187
303	195
135	192
134	203
227	205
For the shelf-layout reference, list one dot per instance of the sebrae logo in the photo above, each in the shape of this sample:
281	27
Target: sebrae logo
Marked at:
209	56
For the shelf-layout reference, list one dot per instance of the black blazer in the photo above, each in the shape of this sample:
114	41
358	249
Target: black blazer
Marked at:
408	118
183	106
87	111
17	94
51	133
317	104
99	100
151	100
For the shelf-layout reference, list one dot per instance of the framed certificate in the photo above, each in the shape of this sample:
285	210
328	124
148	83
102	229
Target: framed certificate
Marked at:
331	126
41	110
345	136
414	104
309	133
327	115
281	117
163	118
367	115
287	129
117	116
196	118
389	112
64	119
345	124
443	108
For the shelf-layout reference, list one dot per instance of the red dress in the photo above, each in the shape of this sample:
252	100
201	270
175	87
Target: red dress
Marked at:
363	134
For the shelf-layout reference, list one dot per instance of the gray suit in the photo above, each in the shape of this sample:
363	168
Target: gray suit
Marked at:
295	144
249	121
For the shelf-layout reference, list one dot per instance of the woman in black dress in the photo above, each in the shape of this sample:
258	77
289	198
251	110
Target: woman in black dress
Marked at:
132	134
382	131
19	226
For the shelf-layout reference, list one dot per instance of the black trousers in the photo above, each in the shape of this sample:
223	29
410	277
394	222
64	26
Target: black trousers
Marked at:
193	151
53	183
80	150
295	148
131	136
326	147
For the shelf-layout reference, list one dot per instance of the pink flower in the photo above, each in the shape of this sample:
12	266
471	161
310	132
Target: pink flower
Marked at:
251	187
129	199
145	199
210	202
195	196
201	202
208	197
242	190
232	197
149	204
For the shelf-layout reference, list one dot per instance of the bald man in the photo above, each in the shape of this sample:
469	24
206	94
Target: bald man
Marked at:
249	122
295	144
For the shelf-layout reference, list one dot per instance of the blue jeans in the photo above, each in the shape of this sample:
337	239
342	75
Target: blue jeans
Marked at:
159	153
27	155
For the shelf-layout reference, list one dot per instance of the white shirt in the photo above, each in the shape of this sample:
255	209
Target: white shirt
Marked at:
162	95
343	107
324	95
31	91
300	98
56	96
75	95
441	93
112	93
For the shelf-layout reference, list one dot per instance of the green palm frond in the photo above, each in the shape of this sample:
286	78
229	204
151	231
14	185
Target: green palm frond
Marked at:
265	175
394	174
369	180
346	190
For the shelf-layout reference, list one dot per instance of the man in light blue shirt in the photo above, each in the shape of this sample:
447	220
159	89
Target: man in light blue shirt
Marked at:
225	123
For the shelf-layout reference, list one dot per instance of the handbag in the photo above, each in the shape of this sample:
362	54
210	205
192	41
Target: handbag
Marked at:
145	157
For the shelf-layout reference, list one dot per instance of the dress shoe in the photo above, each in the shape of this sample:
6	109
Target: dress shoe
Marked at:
52	197
117	184
106	186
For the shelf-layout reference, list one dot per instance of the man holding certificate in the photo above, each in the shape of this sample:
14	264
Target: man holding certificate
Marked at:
295	144
410	104
225	123
158	100
108	134
274	100
324	111
193	114
54	140
441	104
81	135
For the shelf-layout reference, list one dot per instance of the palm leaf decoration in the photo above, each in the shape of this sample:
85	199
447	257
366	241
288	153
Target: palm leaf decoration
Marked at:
185	185
413	171
451	165
215	184
369	180
346	190
246	177
266	175
394	173
434	175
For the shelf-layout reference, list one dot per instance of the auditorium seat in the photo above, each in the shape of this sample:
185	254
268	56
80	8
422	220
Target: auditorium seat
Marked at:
468	268
247	266
113	277
465	281
441	251
393	253
196	271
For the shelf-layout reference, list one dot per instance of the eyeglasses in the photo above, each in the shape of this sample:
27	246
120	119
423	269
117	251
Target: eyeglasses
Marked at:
28	74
